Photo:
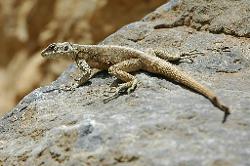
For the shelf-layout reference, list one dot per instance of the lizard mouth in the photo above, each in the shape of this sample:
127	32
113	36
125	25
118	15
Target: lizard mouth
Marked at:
47	55
44	54
50	51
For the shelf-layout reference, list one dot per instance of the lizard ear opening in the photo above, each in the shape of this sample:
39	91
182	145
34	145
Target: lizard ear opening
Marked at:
66	48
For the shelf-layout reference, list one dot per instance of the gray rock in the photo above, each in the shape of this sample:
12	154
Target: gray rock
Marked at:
161	123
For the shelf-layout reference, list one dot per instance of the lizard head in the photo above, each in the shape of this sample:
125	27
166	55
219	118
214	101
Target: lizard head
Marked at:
55	50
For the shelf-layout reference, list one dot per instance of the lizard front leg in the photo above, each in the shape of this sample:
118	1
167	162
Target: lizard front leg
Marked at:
86	72
120	70
81	76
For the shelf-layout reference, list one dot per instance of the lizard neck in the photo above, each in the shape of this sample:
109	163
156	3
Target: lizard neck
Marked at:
85	51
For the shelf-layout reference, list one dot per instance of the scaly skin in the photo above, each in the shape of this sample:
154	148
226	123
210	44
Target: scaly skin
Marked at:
119	61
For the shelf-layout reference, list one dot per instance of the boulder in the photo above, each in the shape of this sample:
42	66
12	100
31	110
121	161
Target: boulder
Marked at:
161	122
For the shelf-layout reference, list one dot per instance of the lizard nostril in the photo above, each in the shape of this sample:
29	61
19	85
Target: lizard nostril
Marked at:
52	46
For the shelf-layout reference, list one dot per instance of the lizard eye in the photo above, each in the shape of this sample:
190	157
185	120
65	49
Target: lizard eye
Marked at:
66	48
52	46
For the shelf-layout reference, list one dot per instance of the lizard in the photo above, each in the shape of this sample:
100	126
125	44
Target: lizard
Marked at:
120	61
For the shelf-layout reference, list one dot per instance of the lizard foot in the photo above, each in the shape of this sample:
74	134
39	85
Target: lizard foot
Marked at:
132	87
127	87
190	55
173	55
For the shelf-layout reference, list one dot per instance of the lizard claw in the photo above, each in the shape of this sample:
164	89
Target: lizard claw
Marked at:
120	90
126	87
108	99
133	87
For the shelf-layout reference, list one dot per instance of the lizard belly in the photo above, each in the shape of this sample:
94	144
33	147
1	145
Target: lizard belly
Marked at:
105	59
98	65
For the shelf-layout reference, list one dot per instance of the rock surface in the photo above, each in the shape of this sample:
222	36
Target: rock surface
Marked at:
161	123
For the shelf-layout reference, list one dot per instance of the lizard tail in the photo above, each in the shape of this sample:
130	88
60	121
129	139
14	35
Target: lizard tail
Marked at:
171	72
222	107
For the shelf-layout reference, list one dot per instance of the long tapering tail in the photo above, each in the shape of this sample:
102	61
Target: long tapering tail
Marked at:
162	67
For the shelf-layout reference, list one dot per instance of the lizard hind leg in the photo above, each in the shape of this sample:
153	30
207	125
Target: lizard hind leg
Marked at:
171	55
164	54
120	70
